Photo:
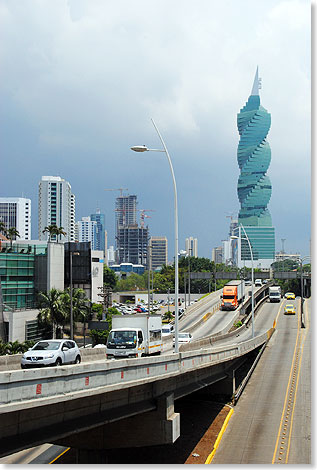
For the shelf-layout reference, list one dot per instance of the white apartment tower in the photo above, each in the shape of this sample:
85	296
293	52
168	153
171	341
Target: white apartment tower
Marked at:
191	246
56	206
16	212
86	231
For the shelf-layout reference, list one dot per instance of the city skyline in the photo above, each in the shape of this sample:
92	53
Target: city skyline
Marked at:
81	81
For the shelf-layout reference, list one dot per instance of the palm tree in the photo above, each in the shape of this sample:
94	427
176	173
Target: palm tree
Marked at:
80	305
51	230
3	228
12	234
59	232
52	309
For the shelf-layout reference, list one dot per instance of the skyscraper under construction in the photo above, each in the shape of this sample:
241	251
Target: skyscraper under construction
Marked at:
131	240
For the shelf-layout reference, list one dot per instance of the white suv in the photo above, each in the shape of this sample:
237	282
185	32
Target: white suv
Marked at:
51	352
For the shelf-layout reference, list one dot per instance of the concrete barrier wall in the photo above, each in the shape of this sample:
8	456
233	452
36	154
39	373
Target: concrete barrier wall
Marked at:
220	335
20	389
13	362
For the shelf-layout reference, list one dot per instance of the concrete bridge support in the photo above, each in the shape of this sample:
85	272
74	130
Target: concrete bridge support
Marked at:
160	426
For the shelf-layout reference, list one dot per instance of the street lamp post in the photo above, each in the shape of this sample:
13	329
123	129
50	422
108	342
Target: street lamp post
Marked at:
302	287
252	273
143	148
189	252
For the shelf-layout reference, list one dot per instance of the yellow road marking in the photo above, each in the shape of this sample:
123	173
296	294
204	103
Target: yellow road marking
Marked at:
217	442
288	388
64	452
295	395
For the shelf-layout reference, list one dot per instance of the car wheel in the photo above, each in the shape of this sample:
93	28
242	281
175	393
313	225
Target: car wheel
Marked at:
23	366
58	362
78	360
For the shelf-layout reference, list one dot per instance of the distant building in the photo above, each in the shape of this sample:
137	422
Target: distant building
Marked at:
111	256
86	231
126	208
56	206
100	232
283	256
16	212
132	243
191	246
217	255
158	253
125	269
254	185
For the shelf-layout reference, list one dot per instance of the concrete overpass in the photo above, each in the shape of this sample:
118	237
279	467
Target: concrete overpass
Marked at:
133	398
91	404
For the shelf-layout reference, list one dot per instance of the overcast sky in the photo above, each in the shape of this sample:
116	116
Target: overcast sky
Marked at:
81	80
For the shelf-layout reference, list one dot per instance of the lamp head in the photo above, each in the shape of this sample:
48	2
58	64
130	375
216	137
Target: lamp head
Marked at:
140	148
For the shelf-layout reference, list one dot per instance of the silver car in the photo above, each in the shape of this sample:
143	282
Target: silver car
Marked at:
51	352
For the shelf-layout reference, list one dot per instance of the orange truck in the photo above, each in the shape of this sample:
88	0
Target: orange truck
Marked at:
232	295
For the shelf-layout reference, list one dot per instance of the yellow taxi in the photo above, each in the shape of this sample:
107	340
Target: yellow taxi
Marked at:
289	309
290	296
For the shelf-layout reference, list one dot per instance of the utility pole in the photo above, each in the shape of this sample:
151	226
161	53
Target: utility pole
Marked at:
105	294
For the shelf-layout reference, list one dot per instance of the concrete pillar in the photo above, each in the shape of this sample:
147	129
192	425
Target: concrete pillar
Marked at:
160	426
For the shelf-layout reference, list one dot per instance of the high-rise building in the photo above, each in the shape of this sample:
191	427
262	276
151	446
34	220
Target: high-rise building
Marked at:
126	211
132	245
16	212
217	255
56	206
131	240
86	231
111	255
100	234
158	254
191	246
254	186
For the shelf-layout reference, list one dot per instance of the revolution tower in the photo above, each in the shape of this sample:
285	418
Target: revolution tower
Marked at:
254	186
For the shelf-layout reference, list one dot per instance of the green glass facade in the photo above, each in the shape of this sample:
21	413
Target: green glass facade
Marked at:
17	274
254	186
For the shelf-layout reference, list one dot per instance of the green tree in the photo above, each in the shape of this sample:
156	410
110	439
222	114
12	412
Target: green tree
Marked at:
3	228
12	234
109	277
60	232
52	310
51	230
80	303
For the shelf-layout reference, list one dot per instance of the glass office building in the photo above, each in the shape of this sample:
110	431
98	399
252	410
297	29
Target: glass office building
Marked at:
20	266
254	185
100	230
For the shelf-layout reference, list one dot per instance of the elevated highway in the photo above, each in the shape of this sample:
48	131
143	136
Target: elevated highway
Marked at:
61	404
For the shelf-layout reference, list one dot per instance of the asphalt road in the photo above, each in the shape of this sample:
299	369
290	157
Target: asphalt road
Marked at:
272	420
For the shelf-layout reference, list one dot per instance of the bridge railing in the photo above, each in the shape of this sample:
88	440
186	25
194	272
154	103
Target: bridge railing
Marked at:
20	389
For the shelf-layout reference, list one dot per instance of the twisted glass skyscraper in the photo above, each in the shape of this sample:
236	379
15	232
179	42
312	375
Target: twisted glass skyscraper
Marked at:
254	186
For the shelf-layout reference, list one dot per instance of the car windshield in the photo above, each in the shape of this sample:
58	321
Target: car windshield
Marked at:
183	335
122	337
47	345
166	330
289	306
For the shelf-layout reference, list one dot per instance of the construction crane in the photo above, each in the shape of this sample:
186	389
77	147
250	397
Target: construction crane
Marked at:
143	215
117	189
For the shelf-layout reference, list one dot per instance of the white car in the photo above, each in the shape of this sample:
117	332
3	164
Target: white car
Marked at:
183	338
51	352
167	329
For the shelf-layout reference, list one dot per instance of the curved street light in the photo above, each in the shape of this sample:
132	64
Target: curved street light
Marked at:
143	148
234	237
